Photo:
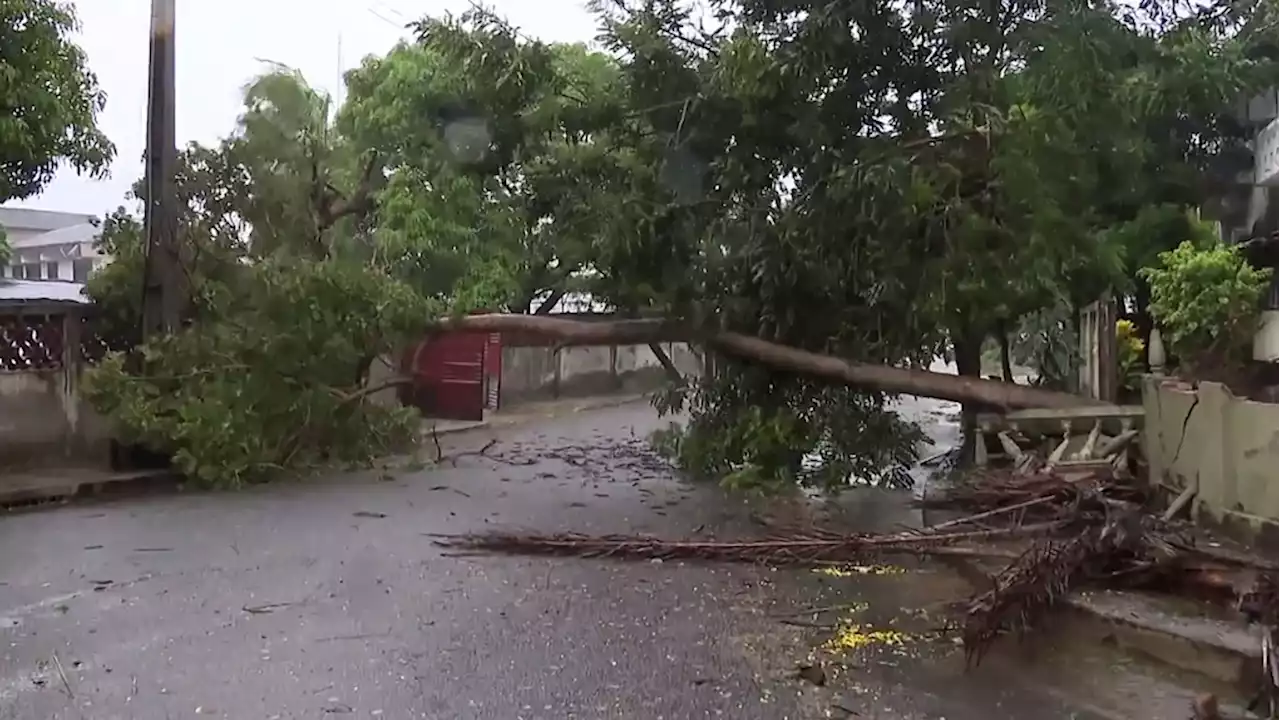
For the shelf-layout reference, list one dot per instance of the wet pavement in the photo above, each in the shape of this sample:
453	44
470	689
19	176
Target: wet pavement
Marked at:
325	598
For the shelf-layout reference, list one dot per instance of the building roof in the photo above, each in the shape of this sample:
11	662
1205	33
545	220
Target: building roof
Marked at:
40	220
70	235
24	292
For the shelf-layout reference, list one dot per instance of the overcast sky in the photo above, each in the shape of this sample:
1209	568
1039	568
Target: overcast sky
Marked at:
218	47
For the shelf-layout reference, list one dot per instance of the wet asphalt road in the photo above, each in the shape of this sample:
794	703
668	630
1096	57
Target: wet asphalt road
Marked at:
326	599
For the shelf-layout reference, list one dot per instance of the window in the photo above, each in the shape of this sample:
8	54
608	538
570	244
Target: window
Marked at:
80	269
27	271
51	271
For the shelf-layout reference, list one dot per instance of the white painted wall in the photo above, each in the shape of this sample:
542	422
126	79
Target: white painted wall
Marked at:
57	262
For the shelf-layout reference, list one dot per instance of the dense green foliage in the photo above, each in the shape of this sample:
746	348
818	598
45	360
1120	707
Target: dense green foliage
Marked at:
272	380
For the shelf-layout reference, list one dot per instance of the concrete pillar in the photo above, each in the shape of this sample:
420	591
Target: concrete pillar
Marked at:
1155	352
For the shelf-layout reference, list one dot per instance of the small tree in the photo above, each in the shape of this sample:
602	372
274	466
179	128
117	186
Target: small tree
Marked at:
49	101
1206	298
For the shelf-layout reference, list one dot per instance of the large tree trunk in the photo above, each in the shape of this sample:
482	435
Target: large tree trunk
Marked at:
1006	363
971	390
968	353
1143	323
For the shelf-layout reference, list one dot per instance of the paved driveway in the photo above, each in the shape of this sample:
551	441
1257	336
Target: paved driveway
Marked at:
324	599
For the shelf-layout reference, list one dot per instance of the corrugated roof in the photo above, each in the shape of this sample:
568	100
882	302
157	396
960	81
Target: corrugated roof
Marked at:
20	292
70	235
32	219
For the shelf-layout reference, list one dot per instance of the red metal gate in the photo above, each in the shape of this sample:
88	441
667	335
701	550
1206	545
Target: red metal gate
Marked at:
449	376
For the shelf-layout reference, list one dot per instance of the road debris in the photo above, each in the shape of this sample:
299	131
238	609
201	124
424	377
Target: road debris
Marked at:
62	674
1059	529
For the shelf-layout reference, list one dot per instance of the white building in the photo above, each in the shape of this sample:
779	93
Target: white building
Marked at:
50	245
1262	218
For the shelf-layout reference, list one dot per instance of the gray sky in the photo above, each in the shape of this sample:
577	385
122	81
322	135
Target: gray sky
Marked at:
216	47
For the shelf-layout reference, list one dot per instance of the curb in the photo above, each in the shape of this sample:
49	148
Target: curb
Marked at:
1222	650
102	486
1143	625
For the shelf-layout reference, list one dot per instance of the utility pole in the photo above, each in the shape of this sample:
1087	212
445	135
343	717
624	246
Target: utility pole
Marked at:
162	287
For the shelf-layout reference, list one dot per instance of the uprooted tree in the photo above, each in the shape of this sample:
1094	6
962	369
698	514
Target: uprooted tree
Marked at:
824	195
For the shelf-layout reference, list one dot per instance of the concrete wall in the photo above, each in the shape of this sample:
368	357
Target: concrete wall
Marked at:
1229	446
535	373
44	421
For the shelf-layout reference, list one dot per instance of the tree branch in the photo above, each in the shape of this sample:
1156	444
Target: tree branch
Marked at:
365	392
358	202
550	303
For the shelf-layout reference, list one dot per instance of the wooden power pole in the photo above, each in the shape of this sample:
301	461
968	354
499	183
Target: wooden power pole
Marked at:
162	287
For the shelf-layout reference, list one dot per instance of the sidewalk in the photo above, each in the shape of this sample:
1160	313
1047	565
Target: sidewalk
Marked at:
1187	635
56	485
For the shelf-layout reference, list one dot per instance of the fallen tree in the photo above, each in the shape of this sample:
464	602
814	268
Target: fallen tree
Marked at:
922	383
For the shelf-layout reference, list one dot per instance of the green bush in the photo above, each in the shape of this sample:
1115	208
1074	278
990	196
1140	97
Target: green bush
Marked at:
1207	301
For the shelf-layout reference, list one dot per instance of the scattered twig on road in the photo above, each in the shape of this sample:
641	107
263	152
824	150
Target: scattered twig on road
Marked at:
994	512
435	440
266	607
66	684
455	457
437	488
814	610
806	624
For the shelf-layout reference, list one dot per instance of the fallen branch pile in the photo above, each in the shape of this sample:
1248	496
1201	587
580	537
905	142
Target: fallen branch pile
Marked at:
1068	529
